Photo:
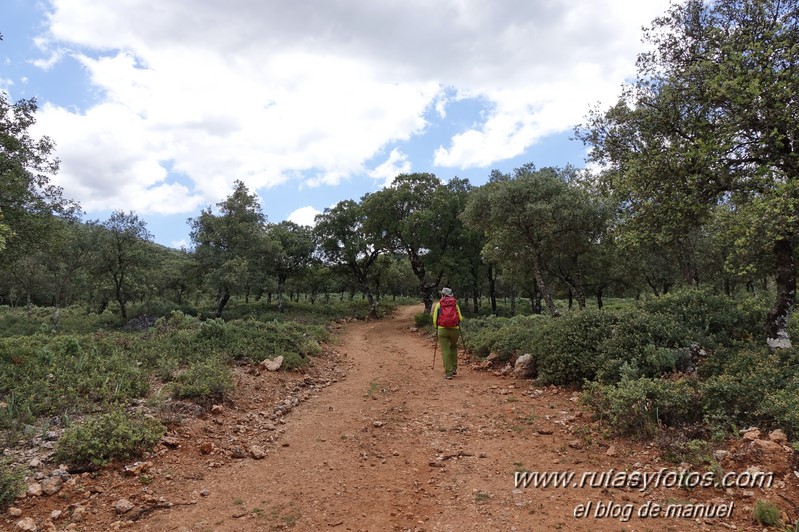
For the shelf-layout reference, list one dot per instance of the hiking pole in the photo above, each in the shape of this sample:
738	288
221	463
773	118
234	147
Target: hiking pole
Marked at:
434	351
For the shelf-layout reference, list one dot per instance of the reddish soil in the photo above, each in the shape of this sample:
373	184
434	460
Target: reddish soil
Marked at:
380	441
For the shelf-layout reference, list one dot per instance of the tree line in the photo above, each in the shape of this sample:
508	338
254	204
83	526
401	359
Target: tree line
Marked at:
692	181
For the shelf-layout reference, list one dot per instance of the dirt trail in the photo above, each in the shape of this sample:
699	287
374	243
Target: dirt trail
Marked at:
393	446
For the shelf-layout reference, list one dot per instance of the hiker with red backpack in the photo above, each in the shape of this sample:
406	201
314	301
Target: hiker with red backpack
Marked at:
446	319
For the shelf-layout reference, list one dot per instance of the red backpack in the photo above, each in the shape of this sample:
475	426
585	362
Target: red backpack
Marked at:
448	312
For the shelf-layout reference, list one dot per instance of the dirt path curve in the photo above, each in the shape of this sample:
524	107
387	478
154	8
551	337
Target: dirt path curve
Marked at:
394	446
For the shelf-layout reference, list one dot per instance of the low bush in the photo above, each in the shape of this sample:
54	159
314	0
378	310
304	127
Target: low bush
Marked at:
712	318
642	344
518	337
53	375
480	334
780	408
567	348
204	382
766	513
10	482
639	407
105	437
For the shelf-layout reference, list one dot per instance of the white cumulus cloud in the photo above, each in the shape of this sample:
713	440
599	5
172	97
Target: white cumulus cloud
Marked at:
304	216
270	92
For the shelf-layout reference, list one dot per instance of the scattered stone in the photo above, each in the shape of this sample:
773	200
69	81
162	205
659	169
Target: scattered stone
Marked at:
778	436
55	514
238	452
170	441
27	524
14	512
78	514
217	409
767	445
273	364
720	454
35	463
575	444
612	451
204	493
524	368
137	468
377	423
257	452
206	447
52	485
123	506
751	434
35	489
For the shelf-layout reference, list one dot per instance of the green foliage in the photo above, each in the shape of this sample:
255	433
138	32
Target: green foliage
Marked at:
422	319
204	382
10	482
686	444
44	375
481	334
567	348
639	407
712	318
105	437
518	337
766	513
781	407
642	344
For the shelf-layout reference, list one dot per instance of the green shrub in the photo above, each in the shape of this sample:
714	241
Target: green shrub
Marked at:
422	319
710	317
105	437
766	513
518	337
203	382
780	408
53	375
566	348
480	334
641	344
639	407
10	483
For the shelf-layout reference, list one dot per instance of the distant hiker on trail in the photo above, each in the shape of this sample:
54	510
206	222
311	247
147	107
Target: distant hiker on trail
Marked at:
446	319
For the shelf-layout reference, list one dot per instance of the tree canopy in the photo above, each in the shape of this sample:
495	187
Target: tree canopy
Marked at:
712	119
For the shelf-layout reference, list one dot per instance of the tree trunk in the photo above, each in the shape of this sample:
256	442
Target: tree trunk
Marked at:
599	302
492	289
542	287
570	298
281	285
537	306
222	297
512	300
780	314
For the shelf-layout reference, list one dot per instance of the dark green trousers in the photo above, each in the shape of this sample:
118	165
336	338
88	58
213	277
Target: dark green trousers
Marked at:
448	341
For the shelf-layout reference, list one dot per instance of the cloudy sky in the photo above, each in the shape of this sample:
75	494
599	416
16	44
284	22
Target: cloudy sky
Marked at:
158	107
